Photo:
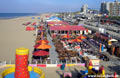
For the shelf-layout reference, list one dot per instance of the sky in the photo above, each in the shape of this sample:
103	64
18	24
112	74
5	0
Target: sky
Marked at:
41	6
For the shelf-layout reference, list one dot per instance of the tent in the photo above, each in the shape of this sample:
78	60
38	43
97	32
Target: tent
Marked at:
54	18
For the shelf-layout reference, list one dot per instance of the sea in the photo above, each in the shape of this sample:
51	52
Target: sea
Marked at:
15	15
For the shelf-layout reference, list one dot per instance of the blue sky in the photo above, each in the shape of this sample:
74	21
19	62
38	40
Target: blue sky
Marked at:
38	6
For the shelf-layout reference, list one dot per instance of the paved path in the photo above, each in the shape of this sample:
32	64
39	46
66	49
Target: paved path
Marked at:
53	53
96	50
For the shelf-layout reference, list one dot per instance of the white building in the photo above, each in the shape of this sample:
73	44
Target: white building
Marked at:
111	8
84	9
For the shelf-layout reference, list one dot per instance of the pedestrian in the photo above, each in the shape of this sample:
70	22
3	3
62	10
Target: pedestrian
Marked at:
62	67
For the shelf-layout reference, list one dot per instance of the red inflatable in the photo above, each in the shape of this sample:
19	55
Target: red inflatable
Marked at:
21	69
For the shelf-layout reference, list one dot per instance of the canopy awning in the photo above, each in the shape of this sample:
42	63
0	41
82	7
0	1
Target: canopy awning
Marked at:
67	28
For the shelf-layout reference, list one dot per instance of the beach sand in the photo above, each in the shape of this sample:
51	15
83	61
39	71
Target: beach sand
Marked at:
14	35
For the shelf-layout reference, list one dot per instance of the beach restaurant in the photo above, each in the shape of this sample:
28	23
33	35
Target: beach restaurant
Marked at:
65	29
53	23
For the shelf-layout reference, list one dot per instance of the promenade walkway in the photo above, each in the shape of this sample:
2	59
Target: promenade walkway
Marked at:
53	53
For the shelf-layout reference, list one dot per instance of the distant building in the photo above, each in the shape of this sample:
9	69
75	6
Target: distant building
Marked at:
92	11
110	8
84	9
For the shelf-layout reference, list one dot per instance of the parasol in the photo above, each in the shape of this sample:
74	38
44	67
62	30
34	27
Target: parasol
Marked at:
42	46
42	41
40	53
76	40
81	37
66	36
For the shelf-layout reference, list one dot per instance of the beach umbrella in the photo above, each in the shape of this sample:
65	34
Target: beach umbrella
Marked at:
81	37
77	40
32	28
42	41
40	53
34	23
42	46
65	36
28	28
113	40
35	46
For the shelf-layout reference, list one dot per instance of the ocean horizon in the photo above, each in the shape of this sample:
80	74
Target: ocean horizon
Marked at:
15	15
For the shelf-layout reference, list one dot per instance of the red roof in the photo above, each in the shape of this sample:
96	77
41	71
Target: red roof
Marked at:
67	28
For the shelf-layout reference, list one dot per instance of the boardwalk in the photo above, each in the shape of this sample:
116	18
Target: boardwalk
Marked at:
53	53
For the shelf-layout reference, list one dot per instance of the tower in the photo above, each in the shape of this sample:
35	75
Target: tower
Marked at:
21	68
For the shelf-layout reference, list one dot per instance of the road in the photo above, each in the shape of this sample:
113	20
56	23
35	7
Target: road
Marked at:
93	27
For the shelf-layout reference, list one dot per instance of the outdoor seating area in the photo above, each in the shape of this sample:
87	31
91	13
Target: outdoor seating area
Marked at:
41	47
69	49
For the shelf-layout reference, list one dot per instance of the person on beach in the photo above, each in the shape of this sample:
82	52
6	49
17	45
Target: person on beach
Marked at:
62	67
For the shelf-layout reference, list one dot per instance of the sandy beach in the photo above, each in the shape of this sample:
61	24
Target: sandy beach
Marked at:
13	35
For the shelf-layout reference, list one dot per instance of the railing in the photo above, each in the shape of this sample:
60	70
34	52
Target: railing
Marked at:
45	64
55	62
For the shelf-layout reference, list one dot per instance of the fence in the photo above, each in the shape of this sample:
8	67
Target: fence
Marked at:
46	64
75	61
56	63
